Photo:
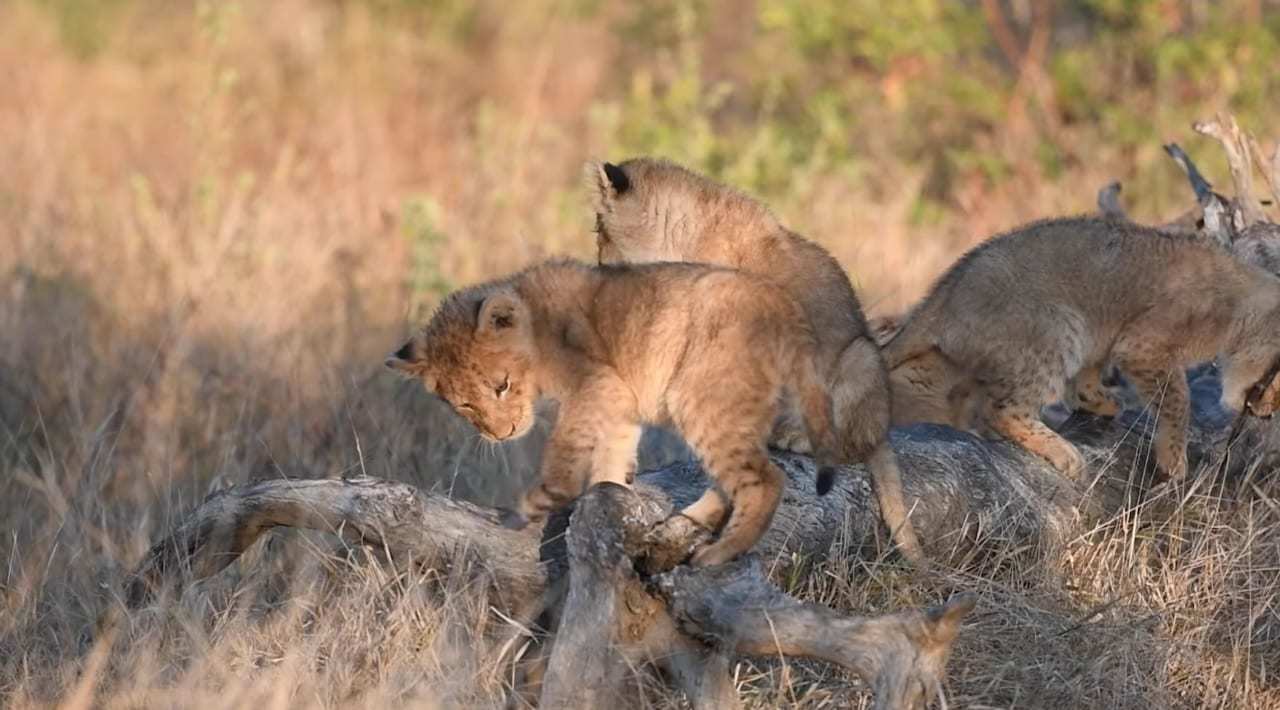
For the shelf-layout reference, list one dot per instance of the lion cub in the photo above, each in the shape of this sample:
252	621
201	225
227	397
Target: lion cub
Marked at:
650	210
931	388
716	353
1026	313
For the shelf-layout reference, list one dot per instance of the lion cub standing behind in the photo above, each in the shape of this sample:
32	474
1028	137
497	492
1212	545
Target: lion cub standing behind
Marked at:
1026	314
619	347
651	210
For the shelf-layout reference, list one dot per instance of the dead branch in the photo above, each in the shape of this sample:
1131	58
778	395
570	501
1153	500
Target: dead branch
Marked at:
612	620
1270	169
1238	225
1211	215
1256	242
1109	201
1226	131
1201	187
388	516
979	502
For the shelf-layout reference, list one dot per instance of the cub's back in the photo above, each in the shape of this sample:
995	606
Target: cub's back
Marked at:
657	312
1096	267
814	280
686	293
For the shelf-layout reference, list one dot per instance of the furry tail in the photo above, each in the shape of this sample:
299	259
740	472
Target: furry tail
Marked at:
815	407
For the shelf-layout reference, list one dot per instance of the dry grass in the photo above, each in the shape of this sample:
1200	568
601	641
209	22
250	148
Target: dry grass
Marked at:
212	232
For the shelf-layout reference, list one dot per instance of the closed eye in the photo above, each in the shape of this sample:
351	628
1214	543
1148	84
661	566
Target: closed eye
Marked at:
502	388
465	407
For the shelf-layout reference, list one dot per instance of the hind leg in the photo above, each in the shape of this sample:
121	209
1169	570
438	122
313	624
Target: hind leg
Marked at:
754	487
727	426
1017	418
1161	382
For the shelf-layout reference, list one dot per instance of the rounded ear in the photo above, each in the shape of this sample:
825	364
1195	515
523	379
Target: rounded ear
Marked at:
406	360
605	182
502	313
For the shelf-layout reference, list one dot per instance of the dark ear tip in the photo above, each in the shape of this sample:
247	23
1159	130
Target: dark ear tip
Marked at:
617	178
404	353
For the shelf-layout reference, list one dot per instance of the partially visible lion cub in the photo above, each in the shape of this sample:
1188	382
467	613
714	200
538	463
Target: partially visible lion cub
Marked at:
1026	313
930	388
716	353
650	210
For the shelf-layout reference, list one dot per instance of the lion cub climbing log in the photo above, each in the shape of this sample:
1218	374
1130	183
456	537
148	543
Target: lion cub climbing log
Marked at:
651	210
1025	313
716	353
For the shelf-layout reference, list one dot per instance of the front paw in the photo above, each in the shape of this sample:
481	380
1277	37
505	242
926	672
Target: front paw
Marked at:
512	519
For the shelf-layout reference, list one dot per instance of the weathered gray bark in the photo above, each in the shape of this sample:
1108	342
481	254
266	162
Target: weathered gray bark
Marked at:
1236	144
612	618
977	501
386	515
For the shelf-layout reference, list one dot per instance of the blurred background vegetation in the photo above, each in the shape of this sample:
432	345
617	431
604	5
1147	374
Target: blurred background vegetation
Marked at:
933	119
213	208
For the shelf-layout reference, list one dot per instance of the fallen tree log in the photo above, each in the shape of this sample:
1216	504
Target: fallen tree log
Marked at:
610	619
604	580
977	501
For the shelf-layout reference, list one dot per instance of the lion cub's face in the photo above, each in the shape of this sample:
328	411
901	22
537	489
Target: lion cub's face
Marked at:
645	210
480	364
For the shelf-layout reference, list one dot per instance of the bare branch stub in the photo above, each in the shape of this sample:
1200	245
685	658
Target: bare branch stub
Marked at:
1273	169
1211	215
1109	201
1226	131
1270	169
1202	188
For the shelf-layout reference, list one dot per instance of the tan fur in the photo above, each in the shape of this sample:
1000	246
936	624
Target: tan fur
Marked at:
716	354
934	390
1028	312
928	387
651	210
